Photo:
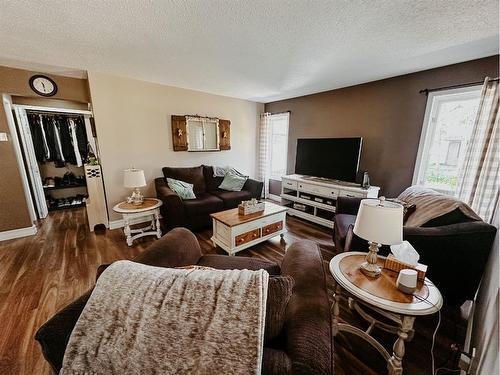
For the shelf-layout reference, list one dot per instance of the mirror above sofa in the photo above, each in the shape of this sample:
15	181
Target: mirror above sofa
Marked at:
197	133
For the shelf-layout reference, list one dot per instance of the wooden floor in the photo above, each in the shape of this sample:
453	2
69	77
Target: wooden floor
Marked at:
41	274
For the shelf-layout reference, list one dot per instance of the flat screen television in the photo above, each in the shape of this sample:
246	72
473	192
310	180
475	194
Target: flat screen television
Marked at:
335	158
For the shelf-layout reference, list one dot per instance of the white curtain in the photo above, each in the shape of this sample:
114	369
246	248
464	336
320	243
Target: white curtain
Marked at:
479	179
264	152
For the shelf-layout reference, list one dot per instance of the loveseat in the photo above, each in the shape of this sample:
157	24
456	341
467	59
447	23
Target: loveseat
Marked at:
195	213
302	344
454	246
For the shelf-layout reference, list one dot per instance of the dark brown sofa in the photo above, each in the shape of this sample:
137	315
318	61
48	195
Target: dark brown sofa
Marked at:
195	213
454	248
303	346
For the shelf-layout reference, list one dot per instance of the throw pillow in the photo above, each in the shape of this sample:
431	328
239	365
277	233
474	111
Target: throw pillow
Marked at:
279	292
181	188
222	171
233	182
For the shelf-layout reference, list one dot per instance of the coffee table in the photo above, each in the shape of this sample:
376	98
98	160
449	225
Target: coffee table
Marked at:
380	295
234	232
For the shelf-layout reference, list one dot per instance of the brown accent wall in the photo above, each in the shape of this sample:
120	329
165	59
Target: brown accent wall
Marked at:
13	208
388	114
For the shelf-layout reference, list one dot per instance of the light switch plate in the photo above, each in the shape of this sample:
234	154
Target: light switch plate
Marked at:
4	137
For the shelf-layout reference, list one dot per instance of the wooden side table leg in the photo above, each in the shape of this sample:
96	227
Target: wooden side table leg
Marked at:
157	219
395	363
336	310
127	230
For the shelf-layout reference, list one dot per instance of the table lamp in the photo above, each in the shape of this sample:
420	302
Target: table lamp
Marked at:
134	179
380	223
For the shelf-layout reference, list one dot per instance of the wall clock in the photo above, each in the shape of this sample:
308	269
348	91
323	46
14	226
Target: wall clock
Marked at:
43	85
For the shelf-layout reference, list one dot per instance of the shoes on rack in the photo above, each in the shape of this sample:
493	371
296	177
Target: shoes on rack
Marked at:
80	180
66	179
51	202
49	182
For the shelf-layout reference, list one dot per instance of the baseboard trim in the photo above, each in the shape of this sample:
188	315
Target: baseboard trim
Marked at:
18	233
115	224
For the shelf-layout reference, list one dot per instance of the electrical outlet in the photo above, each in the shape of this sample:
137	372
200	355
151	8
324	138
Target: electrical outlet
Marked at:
4	137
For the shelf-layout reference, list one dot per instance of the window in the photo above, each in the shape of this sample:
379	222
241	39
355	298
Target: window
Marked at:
449	119
202	134
278	134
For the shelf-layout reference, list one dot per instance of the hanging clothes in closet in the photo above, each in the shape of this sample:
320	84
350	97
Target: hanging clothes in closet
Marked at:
60	139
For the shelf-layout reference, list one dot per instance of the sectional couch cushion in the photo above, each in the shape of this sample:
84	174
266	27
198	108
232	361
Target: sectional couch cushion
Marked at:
193	175
279	292
232	198
204	203
211	182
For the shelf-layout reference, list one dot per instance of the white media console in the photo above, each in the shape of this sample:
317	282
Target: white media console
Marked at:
318	196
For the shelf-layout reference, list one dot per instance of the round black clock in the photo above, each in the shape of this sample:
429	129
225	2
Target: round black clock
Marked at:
43	85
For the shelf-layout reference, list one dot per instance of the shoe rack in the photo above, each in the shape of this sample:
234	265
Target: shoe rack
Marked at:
65	187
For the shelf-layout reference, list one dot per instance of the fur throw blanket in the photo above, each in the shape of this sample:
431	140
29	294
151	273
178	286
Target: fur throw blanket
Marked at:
151	320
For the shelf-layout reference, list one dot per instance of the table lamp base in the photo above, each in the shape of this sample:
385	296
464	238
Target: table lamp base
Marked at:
370	268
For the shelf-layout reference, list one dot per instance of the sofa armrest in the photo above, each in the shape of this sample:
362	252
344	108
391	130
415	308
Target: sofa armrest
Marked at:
54	335
308	323
456	255
177	248
347	205
172	209
254	188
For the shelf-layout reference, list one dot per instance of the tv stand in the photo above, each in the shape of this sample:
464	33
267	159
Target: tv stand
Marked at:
317	196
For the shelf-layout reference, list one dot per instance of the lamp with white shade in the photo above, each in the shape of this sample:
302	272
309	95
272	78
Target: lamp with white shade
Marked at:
134	179
380	223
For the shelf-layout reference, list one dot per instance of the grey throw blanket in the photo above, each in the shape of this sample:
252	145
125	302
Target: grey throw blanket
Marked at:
151	320
431	204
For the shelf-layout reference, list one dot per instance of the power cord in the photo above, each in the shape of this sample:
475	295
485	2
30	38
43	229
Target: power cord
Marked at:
434	372
434	340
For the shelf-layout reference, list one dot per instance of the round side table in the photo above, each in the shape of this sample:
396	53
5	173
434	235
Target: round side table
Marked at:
383	297
149	210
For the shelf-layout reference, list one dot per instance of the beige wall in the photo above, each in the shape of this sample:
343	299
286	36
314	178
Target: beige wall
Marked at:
133	128
13	207
388	114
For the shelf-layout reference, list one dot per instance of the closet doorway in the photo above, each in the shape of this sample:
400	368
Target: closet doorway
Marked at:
56	150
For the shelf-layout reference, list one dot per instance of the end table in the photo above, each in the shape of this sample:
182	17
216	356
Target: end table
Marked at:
148	210
383	297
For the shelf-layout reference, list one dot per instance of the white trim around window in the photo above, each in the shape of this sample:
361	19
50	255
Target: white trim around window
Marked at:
428	128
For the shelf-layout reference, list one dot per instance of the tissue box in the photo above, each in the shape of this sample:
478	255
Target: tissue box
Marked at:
251	209
391	263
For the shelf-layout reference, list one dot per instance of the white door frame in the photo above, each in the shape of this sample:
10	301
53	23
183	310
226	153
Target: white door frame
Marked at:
35	178
7	103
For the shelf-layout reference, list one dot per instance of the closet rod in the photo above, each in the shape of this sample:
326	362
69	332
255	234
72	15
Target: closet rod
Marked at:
30	111
48	110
